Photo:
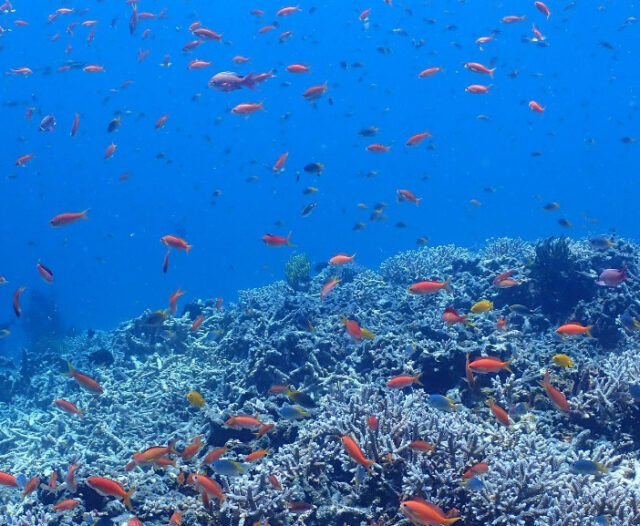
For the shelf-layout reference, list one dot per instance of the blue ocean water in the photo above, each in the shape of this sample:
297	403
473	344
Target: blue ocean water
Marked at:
108	269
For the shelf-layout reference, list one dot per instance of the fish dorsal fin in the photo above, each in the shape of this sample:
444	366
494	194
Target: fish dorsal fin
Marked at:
492	358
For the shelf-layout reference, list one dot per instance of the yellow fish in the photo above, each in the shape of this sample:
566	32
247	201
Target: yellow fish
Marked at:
482	306
562	360
195	399
366	334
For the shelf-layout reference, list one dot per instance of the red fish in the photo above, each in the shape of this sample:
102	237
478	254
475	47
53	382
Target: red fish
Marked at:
536	107
429	287
477	469
192	449
24	159
74	126
479	68
16	301
398	382
478	89
298	68
256	455
111	488
279	164
173	300
208	487
287	11
108	153
277	241
500	414
207	34
67	218
423	513
85	381
45	273
353	329
264	429
7	480
175	242
341	259
574	329
512	19
489	364
555	395
198	64
372	422
66	504
93	68
378	148
243	422
247	108
176	518
68	407
215	454
354	451
406	195
161	121
421	445
416	139
275	482
502	277
429	72
328	287
196	323
31	486
542	7
451	317
501	324
315	92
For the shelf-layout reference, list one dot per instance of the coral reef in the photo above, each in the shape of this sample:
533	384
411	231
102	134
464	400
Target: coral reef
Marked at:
297	272
283	334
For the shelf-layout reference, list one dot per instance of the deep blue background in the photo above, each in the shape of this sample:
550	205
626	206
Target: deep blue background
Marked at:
108	269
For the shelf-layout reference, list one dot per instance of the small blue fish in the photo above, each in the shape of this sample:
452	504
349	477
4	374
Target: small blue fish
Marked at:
634	391
519	410
292	412
473	484
228	467
629	323
587	467
442	403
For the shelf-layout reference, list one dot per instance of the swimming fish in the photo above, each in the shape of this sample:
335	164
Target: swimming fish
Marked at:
587	467
574	329
482	306
442	403
423	513
429	287
292	412
196	399
562	360
354	451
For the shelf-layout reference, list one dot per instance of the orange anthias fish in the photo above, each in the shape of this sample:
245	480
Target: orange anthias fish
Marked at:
68	407
66	504
353	329
341	259
354	451
378	148
476	469
243	422
31	486
176	518
555	395
192	449
162	121
416	139
111	488
500	414
501	324
574	329
208	487
451	317
423	513
175	242
404	380
151	455
421	445
7	480
429	287
247	108
215	454
173	300
256	455
279	164
85	381
277	241
489	364
328	287
16	301
196	323
68	217
406	195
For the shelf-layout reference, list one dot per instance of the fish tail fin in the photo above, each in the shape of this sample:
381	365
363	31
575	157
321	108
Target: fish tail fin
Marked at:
445	285
417	199
451	520
171	447
71	369
188	247
127	499
289	243
491	72
506	365
416	379
354	255
588	331
602	468
83	214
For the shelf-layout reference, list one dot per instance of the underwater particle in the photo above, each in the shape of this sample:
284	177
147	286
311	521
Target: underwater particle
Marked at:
475	202
403	380
612	277
489	364
422	241
482	306
424	513
429	287
111	488
556	396
473	484
564	222
601	242
550	207
3	280
354	451
401	224
359	226
562	360
587	467
574	329
292	412
441	403
306	211
196	399
251	179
